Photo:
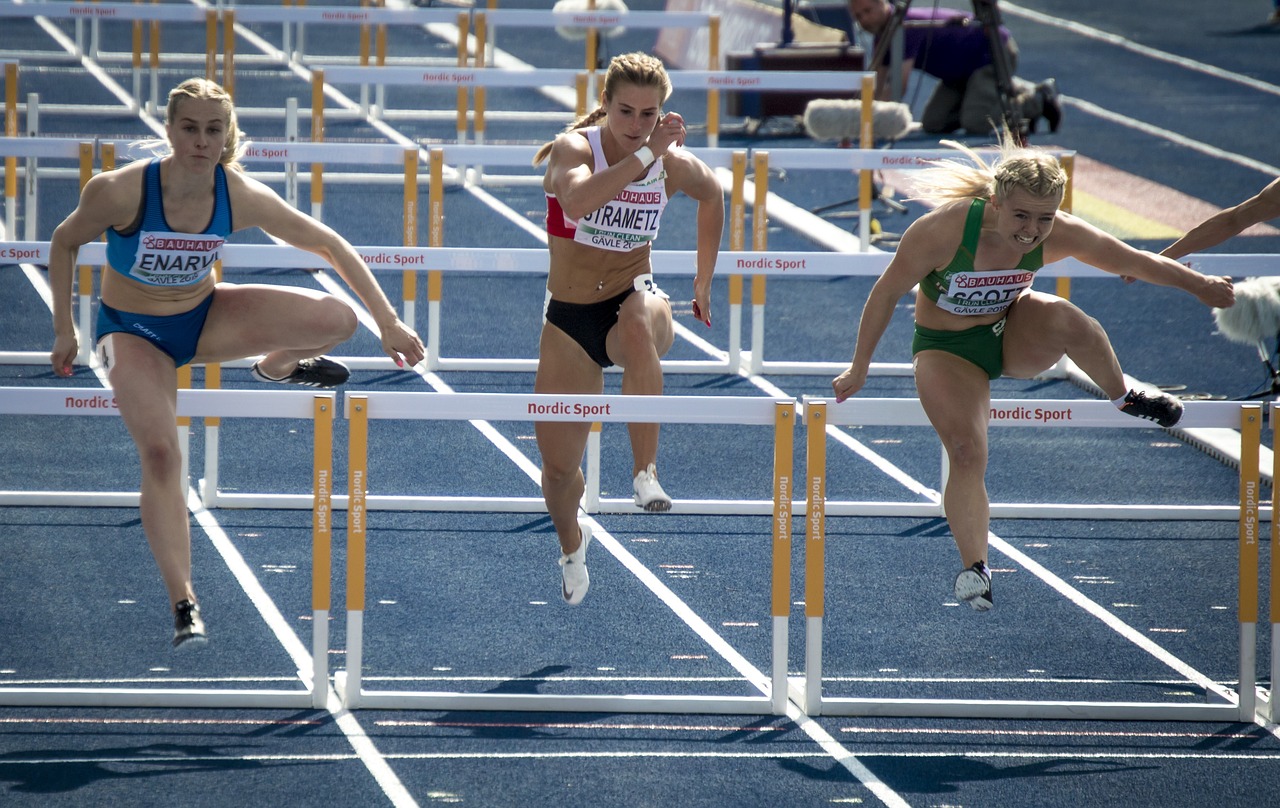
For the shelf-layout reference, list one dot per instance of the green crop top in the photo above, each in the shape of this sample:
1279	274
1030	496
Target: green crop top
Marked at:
959	289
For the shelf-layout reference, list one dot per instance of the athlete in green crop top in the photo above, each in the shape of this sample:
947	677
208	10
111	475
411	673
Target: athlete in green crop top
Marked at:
959	289
971	262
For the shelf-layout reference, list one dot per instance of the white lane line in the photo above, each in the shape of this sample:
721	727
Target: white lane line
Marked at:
1172	137
1117	755
1099	35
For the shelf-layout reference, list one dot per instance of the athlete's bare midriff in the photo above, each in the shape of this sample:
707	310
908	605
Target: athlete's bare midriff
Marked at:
583	274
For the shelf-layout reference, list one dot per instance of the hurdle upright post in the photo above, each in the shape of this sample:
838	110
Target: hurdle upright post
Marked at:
317	136
815	416
580	91
435	238
479	92
1250	450
184	430
291	136
229	51
321	544
737	243
593	52
154	63
1063	285
591	476
866	141
210	45
212	424
84	271
759	243
357	479
463	26
11	161
410	276
364	60
380	59
136	64
784	421
713	94
31	204
1272	711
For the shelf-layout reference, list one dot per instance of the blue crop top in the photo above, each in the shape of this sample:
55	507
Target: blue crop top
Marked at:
154	254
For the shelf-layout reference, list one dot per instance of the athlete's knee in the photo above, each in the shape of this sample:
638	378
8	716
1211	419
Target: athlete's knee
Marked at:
1072	323
340	319
159	455
559	476
967	455
632	339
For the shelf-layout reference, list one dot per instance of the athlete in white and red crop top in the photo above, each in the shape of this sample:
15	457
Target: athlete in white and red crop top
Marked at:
609	177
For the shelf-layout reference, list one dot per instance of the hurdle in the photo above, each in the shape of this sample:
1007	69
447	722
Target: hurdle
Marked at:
138	13
487	23
362	407
312	673
820	418
27	253
294	19
799	265
263	152
743	81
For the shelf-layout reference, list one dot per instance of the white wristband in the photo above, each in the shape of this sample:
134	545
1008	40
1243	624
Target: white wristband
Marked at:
645	154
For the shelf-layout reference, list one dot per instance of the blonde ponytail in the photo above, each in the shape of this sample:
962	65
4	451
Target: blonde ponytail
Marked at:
1015	166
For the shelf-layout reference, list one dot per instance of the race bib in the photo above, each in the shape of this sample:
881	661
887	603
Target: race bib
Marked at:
175	259
984	292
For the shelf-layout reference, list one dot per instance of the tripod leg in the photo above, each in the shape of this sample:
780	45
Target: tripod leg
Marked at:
989	16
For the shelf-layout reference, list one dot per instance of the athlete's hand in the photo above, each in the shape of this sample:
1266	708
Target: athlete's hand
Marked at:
702	302
402	343
848	383
669	132
63	355
1218	292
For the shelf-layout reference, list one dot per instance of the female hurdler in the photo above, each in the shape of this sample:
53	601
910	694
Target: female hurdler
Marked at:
608	178
166	220
972	261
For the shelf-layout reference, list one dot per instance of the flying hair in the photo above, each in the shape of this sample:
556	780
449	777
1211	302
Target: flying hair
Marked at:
1015	166
635	69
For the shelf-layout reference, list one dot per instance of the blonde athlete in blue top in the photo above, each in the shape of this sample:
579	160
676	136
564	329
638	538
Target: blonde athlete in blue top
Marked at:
160	307
970	262
608	179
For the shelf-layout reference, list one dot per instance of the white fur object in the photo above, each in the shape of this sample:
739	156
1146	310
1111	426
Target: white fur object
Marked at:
840	119
576	34
1256	315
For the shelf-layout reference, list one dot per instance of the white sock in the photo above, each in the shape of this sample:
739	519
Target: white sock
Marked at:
1119	402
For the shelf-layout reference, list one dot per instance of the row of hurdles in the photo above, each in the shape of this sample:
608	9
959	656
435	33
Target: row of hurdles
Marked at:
793	496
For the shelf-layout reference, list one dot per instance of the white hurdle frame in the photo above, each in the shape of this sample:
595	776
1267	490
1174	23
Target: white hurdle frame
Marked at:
360	407
320	409
819	418
1270	708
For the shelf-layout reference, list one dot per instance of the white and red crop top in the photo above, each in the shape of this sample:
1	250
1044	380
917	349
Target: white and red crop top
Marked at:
627	221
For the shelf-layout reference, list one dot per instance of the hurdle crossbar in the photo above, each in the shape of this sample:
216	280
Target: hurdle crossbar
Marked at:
320	409
864	412
821	418
361	407
791	264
